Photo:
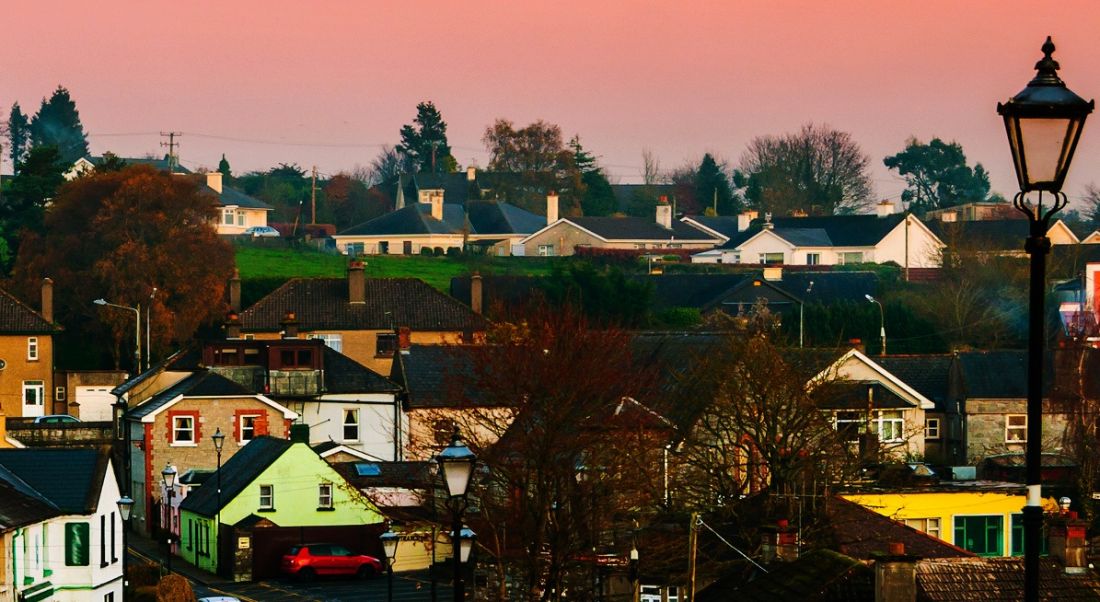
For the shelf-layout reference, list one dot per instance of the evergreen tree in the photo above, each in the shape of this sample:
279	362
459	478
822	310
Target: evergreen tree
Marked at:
597	198
18	135
712	188
57	123
937	175
24	204
424	142
223	168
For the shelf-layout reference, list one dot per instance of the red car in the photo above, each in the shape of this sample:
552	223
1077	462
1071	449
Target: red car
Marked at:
314	559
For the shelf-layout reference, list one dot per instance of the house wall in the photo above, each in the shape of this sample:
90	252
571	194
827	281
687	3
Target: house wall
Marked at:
252	217
371	244
361	345
377	429
430	429
947	506
566	237
985	428
87	393
924	251
103	575
857	370
29	558
18	369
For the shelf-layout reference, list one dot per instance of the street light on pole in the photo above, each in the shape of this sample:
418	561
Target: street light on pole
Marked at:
389	546
125	505
881	322
456	464
219	441
1043	123
137	329
168	475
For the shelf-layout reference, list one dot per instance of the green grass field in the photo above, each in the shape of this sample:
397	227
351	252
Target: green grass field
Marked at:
272	263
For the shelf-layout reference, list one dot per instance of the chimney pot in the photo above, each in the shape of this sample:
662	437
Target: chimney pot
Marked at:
437	206
476	298
357	283
47	299
897	549
290	326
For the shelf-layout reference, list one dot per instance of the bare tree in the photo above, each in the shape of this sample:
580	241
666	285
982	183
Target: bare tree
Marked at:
1090	204
817	169
651	168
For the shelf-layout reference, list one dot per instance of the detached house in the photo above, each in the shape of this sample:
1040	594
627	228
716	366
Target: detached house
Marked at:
26	355
565	235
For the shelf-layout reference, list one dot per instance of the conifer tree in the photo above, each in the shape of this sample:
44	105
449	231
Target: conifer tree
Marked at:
18	135
57	123
424	142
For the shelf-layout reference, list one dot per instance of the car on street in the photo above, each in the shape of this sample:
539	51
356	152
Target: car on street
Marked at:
56	419
312	560
262	232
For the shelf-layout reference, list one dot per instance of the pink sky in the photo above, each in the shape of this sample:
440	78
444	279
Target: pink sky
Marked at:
327	83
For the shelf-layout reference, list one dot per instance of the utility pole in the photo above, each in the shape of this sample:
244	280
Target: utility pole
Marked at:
313	197
693	542
173	161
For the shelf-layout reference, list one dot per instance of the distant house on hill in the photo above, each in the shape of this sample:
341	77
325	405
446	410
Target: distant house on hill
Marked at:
87	164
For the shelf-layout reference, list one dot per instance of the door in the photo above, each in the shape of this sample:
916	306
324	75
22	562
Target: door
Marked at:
34	392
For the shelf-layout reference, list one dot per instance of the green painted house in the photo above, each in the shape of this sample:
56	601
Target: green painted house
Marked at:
278	483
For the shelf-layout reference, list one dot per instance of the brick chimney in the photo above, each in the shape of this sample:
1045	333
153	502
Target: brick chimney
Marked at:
290	325
47	299
476	298
235	291
214	180
779	542
895	575
357	283
884	209
551	207
664	213
471	173
1068	542
436	201
233	325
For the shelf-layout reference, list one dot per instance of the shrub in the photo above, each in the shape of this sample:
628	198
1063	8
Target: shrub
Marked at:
453	251
175	588
425	250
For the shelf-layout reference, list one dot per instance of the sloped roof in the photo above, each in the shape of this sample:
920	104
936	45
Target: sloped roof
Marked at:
20	504
232	196
433	374
829	287
345	375
928	374
991	235
17	317
849	395
819	575
726	225
997	374
237	473
861	532
837	230
999	579
484	217
492	217
70	478
158	164
690	290
202	383
455	186
410	475
640	228
322	304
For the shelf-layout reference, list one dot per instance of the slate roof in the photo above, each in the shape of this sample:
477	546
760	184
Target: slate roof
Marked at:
994	234
826	230
322	304
432	375
345	375
819	575
1000	579
17	317
456	186
232	196
487	218
691	290
997	374
20	504
928	374
70	478
238	472
410	475
860	532
199	384
158	164
640	228
726	225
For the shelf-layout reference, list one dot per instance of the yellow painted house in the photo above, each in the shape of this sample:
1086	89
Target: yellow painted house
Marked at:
980	516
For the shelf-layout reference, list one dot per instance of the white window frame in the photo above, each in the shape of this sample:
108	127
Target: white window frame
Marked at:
850	257
240	427
227	216
177	428
894	423
34	386
813	258
546	251
1020	429
764	258
32	349
59	393
333	340
344	424
267	500
860	422
930	525
931	428
324	495
240	217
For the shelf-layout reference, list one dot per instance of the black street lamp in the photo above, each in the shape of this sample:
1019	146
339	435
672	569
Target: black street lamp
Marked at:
219	441
456	464
168	475
389	546
125	505
881	322
1044	123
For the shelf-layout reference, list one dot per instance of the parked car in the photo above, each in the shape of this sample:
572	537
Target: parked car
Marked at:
56	419
312	560
262	232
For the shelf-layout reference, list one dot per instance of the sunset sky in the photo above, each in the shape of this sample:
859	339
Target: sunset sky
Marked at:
328	83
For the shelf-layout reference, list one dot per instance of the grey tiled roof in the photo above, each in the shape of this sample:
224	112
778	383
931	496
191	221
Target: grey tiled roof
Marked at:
999	234
997	374
70	478
345	375
839	230
322	304
724	224
232	196
237	473
17	317
159	164
199	384
433	375
484	218
928	374
640	228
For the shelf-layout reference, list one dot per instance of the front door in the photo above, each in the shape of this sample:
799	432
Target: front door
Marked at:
34	394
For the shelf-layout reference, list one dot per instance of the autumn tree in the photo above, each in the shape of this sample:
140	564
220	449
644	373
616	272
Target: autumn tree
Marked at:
350	202
937	176
817	169
19	135
537	156
57	123
116	236
424	141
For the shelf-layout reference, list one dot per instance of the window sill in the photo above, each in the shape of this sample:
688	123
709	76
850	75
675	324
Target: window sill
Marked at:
186	444
266	510
326	509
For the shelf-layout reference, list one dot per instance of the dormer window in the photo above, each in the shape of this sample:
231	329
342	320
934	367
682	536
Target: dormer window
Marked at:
290	359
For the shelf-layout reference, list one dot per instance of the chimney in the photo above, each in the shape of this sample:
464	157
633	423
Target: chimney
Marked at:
895	575
780	542
471	173
664	213
235	291
744	219
475	293
233	325
357	283
885	209
214	180
47	299
437	206
404	339
299	433
1068	542
767	225
551	207
290	325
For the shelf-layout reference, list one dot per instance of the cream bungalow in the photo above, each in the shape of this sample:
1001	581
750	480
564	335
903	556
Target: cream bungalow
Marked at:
564	236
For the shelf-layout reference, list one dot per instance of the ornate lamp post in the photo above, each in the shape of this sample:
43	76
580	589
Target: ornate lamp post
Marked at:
219	440
169	477
1043	123
125	505
456	464
389	546
881	322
